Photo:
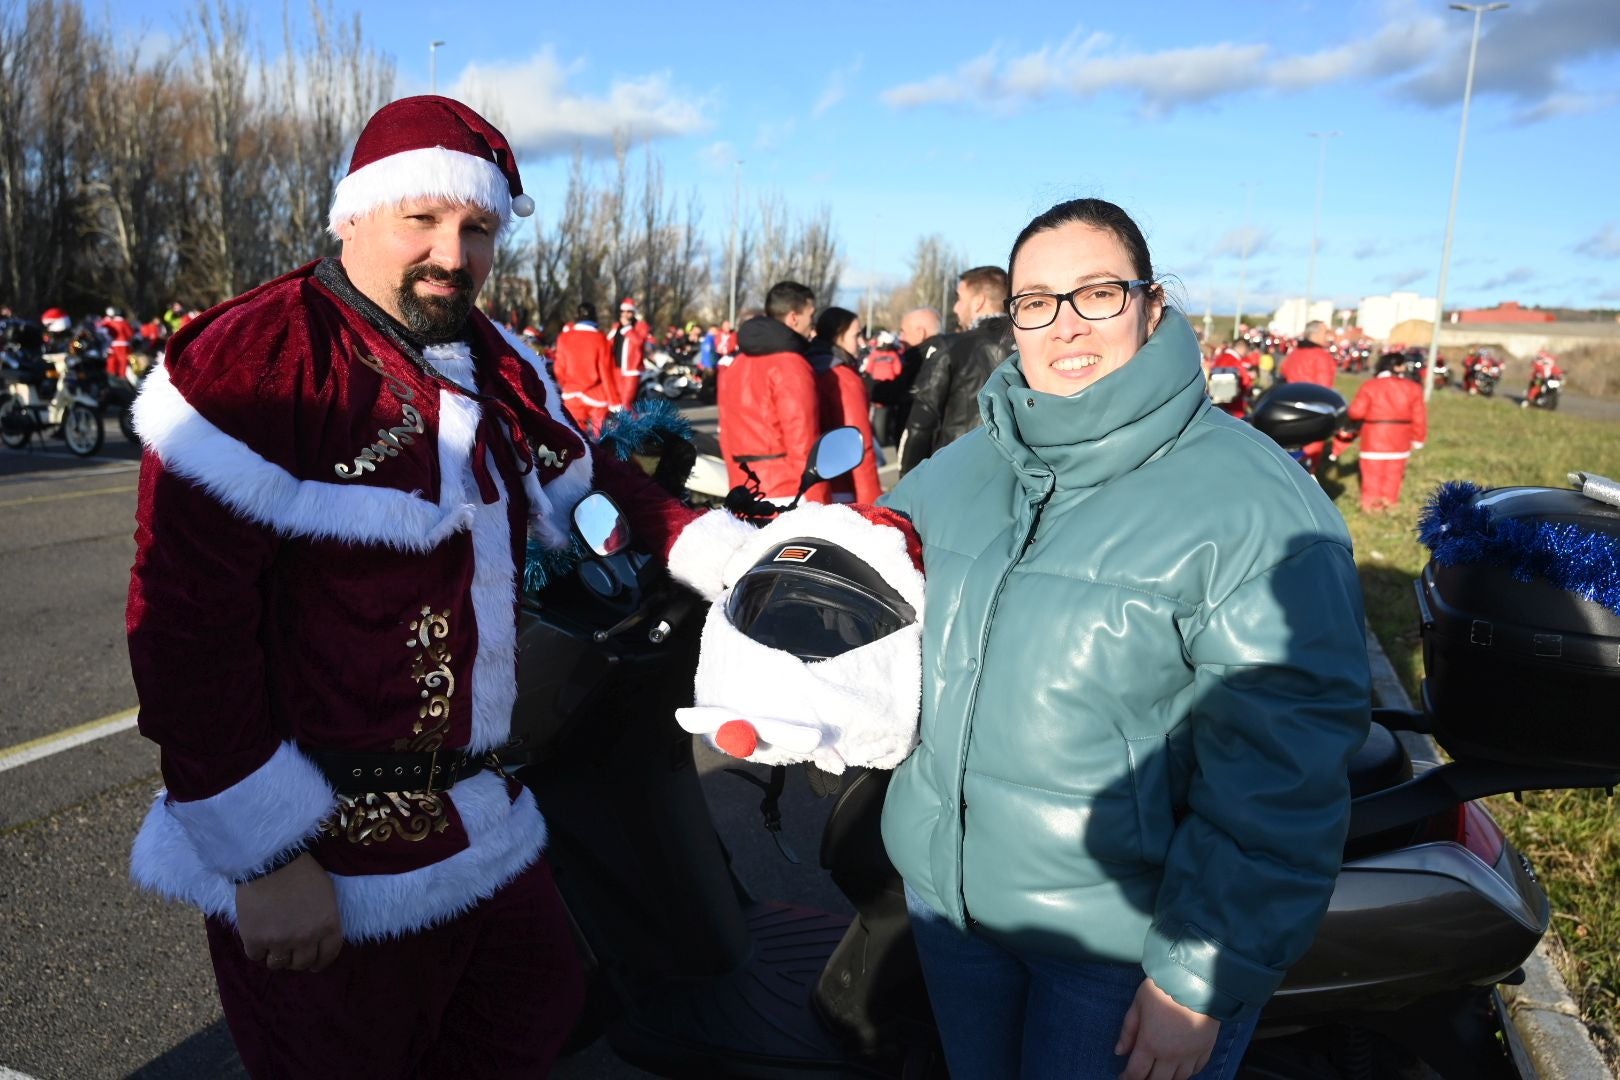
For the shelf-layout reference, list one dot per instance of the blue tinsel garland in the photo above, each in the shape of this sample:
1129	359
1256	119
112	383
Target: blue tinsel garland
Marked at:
623	433
1459	532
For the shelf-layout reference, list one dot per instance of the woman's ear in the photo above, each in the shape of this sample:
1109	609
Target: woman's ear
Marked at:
1155	306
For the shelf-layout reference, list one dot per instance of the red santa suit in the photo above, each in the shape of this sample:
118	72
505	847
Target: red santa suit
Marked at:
585	374
1394	422
120	334
1544	367
1312	364
628	345
1243	372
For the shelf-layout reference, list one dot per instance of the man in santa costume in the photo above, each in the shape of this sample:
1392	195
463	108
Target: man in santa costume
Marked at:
119	336
1389	415
585	371
1310	361
628	342
341	470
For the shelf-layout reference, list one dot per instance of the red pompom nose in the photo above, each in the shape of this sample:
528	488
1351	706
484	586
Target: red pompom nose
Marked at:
737	738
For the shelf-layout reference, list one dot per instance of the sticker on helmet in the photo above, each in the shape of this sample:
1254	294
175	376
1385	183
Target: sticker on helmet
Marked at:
795	553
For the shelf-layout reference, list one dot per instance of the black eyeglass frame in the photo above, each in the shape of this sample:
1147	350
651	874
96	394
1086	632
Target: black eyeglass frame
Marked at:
1058	298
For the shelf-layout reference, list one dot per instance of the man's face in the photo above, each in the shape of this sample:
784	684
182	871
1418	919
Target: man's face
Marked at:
627	317
423	262
966	308
800	321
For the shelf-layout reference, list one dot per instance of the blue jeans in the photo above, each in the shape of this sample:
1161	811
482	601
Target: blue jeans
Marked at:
1003	1015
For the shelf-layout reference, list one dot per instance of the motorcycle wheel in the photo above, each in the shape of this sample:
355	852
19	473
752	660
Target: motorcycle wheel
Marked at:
83	430
1486	389
16	426
126	424
1550	401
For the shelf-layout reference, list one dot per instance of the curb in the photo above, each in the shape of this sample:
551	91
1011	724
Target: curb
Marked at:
1541	1008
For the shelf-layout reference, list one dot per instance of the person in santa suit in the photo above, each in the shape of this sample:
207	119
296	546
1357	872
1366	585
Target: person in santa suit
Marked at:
585	371
1389	415
1543	367
1310	361
1235	363
628	342
341	469
120	334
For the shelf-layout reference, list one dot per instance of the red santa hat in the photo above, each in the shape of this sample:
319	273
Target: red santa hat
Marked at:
627	304
429	147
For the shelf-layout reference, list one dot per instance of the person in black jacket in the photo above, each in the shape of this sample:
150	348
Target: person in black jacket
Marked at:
945	396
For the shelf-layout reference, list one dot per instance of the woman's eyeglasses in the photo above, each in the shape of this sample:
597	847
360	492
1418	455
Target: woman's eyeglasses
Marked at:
1093	301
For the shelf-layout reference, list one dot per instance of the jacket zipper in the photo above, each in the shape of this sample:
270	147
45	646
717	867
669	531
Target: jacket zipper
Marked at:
973	700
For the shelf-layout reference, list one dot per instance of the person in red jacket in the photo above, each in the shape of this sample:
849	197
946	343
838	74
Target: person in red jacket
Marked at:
1544	367
769	411
628	342
842	399
119	336
1231	376
1391	419
585	371
1311	362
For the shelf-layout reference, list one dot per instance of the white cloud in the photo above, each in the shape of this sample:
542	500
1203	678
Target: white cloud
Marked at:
532	103
1604	244
1418	57
837	88
1240	242
1517	276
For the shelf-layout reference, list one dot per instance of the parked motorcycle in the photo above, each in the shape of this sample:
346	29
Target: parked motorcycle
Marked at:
46	396
691	974
666	376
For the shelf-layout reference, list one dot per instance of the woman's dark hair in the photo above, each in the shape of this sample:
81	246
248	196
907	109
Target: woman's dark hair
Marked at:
1099	214
1392	361
833	323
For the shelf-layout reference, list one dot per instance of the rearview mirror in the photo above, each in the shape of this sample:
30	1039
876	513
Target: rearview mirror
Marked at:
600	524
836	453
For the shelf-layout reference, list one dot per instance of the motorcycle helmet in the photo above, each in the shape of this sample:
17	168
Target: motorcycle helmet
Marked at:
1296	414
813	599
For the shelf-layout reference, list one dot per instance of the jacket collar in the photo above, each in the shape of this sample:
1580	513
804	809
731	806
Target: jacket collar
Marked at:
763	336
1117	424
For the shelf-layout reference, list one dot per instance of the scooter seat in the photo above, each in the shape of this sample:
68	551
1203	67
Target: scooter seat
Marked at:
1382	762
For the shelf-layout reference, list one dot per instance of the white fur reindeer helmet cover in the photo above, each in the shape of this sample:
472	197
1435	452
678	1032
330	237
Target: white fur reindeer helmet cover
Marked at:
814	652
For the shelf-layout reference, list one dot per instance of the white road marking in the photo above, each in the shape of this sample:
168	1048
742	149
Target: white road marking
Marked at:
13	1074
45	746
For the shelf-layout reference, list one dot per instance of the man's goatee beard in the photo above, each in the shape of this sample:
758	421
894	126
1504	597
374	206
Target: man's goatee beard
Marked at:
435	318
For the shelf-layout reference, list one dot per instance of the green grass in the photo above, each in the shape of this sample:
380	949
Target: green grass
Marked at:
1570	836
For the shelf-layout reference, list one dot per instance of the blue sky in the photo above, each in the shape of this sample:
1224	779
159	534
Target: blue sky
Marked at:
968	118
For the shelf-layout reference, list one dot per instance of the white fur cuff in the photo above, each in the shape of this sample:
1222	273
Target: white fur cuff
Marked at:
280	803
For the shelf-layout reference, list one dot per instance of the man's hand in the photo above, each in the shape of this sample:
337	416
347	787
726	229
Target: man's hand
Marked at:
1165	1041
289	919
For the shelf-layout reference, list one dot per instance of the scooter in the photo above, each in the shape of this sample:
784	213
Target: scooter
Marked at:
44	404
691	974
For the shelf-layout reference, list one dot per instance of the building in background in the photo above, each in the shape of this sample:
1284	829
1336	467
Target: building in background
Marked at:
1506	312
1378	315
1291	316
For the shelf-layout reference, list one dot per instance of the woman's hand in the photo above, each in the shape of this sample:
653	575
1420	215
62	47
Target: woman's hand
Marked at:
1165	1041
288	920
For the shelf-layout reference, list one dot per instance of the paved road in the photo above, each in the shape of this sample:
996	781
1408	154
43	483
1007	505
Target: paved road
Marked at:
96	978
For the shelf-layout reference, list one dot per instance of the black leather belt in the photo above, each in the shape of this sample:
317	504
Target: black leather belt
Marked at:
362	773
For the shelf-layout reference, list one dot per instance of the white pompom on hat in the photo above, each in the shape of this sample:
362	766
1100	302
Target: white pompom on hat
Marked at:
429	147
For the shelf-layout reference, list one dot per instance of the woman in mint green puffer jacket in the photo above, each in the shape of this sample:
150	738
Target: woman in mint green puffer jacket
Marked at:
1144	672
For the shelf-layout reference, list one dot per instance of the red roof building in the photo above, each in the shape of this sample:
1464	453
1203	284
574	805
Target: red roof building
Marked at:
1507	312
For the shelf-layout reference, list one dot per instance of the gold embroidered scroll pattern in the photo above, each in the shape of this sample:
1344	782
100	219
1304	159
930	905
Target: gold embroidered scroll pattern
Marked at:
389	440
380	816
430	669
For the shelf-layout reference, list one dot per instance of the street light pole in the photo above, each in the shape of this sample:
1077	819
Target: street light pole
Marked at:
1316	223
736	218
1479	11
433	66
1243	261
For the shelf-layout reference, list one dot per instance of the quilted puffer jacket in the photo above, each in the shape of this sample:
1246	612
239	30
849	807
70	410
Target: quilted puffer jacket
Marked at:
1144	673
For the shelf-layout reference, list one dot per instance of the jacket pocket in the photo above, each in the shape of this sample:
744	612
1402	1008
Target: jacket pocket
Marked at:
1154	767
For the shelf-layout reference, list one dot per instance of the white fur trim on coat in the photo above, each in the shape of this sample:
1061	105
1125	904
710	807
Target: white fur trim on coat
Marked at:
865	704
504	837
432	172
258	490
243	827
552	505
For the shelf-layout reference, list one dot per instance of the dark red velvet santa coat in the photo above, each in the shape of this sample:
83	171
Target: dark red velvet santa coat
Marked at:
329	542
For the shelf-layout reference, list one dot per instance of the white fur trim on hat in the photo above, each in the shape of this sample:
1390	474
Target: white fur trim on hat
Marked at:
429	173
699	556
